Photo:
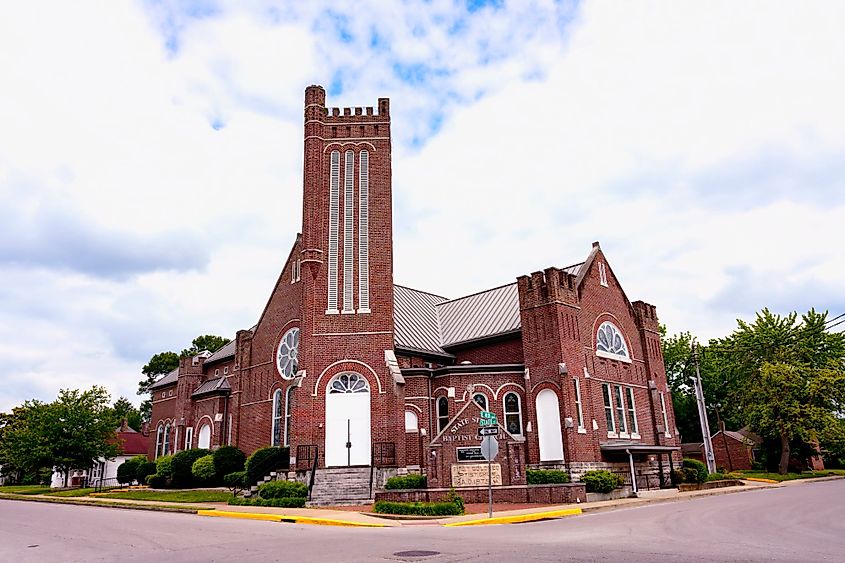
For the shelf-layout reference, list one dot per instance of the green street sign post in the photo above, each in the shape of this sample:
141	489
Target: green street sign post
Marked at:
488	419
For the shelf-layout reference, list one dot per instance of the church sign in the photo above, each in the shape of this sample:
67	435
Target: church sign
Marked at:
469	454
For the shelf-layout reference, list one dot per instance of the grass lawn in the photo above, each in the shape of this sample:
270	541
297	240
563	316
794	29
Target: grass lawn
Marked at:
71	493
171	496
24	489
791	476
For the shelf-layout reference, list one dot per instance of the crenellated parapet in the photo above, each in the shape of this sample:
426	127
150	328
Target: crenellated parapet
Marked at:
551	285
646	316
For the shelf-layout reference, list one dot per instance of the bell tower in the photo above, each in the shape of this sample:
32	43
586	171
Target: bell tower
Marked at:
347	266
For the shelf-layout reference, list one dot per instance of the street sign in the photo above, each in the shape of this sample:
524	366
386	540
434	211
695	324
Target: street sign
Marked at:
488	431
489	447
488	422
488	414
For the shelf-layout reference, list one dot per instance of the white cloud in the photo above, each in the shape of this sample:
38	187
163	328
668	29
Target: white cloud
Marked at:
520	137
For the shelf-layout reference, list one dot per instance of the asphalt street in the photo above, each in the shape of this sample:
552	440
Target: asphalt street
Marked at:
798	523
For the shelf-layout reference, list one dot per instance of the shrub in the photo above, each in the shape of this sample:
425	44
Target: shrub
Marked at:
546	476
418	508
455	499
157	481
715	477
203	470
407	482
601	481
282	489
236	481
164	466
700	471
182	464
265	460
678	476
287	502
144	469
127	471
228	459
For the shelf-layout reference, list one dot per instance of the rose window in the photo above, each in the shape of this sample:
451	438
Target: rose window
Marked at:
349	383
286	357
610	341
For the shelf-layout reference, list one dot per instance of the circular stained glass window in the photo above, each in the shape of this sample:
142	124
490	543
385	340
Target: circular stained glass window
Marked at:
287	355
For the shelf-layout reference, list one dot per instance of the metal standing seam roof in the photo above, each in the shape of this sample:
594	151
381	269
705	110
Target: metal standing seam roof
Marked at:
415	324
227	351
484	314
212	385
168	379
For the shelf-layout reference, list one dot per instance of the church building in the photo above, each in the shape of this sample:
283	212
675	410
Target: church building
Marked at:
361	376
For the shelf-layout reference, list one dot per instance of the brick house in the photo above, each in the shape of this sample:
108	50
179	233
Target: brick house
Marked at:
350	369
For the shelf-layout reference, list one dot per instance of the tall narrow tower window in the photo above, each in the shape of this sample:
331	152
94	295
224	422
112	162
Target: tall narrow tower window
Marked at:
348	232
364	232
334	199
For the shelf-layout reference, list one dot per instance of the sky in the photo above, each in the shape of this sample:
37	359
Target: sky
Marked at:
151	160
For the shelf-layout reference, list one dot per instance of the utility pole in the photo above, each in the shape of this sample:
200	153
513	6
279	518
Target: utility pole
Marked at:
702	414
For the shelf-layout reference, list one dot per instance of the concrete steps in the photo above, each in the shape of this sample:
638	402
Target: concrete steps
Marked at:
341	486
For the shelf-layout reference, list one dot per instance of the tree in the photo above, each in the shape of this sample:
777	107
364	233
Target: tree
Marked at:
160	364
124	410
80	428
784	377
23	450
208	342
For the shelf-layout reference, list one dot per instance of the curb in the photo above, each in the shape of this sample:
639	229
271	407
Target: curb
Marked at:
80	502
288	518
518	518
760	480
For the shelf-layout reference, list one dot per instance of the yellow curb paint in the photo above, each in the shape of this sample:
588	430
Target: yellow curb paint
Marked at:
518	518
287	518
759	480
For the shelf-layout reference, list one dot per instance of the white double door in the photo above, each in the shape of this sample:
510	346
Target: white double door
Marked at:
347	429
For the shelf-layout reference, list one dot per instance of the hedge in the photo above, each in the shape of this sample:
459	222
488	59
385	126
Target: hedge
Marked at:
157	481
282	489
236	480
288	502
546	476
144	469
698	473
164	466
228	459
407	482
203	470
601	481
182	464
127	471
441	508
265	460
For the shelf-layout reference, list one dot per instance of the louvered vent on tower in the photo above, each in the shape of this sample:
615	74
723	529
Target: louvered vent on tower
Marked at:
348	233
334	203
364	232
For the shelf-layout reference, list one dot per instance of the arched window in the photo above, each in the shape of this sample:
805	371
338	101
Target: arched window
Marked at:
288	413
349	382
513	413
481	400
610	343
287	355
411	421
189	437
442	413
276	437
159	439
204	438
166	442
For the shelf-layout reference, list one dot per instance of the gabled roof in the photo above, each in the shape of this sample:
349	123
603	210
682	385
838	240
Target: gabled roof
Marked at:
227	351
216	385
168	379
429	323
415	324
480	315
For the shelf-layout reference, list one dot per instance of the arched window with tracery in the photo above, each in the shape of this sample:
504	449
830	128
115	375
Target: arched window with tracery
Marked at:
610	343
513	413
276	438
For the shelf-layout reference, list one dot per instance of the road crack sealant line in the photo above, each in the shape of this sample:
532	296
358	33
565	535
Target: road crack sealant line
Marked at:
289	518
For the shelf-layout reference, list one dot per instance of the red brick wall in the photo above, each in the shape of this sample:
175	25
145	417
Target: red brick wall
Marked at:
507	351
729	453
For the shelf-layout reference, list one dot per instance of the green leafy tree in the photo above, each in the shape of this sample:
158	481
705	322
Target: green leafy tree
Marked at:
23	450
208	342
160	364
785	377
124	410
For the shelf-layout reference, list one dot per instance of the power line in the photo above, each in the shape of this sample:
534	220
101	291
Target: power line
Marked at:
828	321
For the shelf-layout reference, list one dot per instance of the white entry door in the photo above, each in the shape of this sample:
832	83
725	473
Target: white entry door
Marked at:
548	426
347	421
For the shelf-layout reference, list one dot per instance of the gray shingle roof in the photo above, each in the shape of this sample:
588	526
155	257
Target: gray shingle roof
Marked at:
212	386
415	320
168	379
481	315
